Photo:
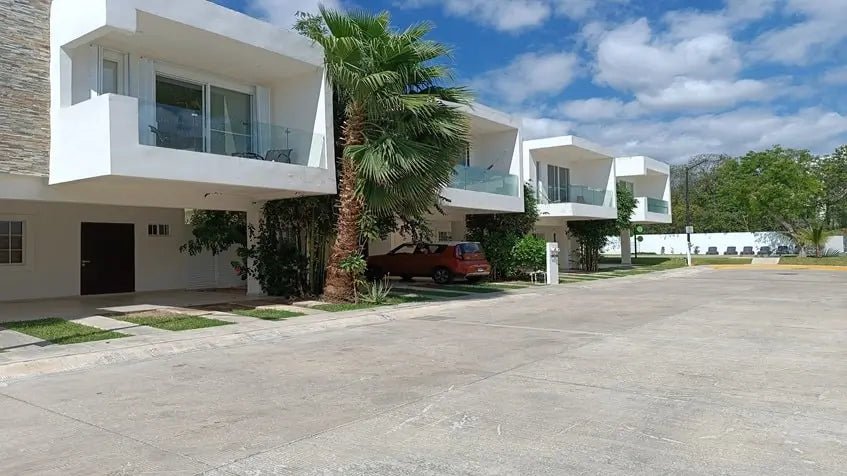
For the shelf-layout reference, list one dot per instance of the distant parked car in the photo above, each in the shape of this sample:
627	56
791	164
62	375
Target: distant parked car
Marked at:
442	262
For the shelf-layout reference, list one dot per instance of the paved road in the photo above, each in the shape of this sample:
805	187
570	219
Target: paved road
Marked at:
710	372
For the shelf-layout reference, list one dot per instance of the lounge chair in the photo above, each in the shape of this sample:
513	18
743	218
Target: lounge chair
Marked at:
748	251
765	251
731	251
280	155
782	250
712	251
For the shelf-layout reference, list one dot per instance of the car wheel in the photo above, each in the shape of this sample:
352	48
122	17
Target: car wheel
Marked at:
473	279
442	275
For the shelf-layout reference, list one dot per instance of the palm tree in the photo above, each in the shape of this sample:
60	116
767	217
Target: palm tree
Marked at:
815	235
402	131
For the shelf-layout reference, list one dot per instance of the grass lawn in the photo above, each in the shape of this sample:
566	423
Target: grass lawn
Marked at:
349	306
60	331
831	261
703	261
268	314
171	321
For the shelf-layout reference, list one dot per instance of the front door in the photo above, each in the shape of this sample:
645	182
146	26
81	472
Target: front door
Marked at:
108	258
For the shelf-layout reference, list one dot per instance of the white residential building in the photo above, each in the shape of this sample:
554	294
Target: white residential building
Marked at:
574	180
152	107
489	178
650	182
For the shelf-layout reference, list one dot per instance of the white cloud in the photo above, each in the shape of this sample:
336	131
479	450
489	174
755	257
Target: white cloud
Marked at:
686	93
594	109
282	12
539	127
529	76
631	58
808	40
512	15
836	76
734	132
504	15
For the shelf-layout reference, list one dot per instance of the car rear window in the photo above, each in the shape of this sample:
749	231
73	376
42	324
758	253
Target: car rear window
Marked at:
470	248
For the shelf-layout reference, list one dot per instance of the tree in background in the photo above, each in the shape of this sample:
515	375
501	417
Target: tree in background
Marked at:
218	231
401	135
499	233
593	235
831	170
815	235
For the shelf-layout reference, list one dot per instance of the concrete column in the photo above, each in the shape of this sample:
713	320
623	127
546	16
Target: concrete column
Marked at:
254	216
626	248
564	249
459	230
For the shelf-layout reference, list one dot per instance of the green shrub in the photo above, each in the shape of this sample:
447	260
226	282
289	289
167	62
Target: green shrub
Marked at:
530	253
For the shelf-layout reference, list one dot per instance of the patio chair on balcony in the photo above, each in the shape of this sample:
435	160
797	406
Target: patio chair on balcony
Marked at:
712	251
748	251
731	251
280	155
765	251
248	155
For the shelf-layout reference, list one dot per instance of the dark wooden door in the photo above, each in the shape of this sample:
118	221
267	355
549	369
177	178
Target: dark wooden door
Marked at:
108	258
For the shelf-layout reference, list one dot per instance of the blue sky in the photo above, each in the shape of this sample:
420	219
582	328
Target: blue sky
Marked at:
664	78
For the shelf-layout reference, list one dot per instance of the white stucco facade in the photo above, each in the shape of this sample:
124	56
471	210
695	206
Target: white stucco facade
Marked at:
650	181
158	106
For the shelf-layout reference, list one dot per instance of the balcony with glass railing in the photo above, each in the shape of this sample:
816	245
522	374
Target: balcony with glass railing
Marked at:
478	179
577	194
189	129
655	205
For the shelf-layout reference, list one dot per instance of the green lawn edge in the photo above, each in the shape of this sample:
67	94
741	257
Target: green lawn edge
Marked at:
61	332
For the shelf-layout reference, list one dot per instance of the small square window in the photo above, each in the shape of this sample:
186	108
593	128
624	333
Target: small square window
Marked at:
445	236
158	230
11	242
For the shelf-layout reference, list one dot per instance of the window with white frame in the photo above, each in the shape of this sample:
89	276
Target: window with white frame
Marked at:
158	230
445	236
11	242
113	69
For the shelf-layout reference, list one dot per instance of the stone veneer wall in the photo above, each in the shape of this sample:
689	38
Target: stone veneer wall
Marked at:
24	87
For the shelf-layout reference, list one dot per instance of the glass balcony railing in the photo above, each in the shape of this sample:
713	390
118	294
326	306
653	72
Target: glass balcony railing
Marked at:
655	205
579	194
183	128
477	179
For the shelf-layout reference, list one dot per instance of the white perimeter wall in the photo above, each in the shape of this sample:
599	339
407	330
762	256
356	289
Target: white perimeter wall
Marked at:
676	244
52	242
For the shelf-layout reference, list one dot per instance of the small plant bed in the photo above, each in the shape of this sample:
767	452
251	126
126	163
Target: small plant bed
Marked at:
171	321
509	285
268	314
61	332
827	261
350	306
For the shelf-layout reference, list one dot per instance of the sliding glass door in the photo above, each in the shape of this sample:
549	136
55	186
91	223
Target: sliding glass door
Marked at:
231	114
558	184
203	118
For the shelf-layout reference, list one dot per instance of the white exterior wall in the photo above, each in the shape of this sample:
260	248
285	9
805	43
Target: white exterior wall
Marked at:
208	271
52	248
677	244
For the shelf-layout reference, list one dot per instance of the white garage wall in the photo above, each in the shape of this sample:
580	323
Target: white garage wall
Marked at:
207	271
52	267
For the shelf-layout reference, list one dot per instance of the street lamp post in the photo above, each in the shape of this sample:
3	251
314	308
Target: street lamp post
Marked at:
689	228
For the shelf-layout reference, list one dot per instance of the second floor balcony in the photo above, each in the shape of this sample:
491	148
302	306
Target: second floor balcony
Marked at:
484	190
651	210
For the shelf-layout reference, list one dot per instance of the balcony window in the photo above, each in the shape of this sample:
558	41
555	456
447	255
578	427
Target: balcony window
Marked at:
558	184
112	72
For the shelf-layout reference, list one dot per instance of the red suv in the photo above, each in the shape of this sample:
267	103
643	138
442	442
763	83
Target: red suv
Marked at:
442	262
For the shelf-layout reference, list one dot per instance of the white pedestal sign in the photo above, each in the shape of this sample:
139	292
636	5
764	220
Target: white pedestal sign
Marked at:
552	263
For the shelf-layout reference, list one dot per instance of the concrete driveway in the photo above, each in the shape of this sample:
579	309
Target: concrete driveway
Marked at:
690	372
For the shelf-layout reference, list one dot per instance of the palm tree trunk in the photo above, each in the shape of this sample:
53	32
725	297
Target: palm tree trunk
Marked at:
339	284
